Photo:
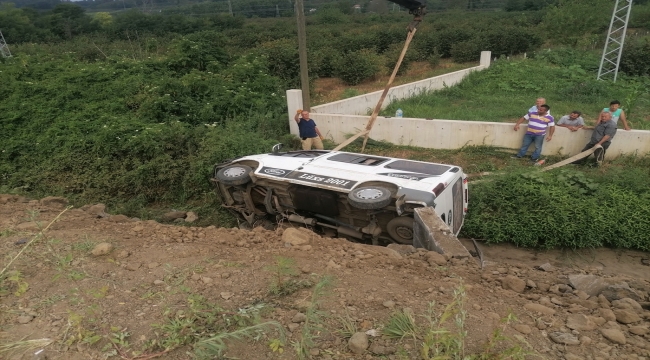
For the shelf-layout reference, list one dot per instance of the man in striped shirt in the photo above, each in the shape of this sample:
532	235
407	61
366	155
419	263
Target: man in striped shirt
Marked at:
538	123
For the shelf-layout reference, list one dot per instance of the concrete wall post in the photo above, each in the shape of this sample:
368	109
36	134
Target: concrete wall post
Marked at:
294	102
486	57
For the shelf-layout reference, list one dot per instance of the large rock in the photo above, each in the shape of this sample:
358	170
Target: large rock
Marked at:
24	319
173	215
191	217
377	349
627	303
513	283
54	201
591	284
638	330
6	198
388	252
30	225
620	291
523	328
580	322
118	218
403	249
564	338
614	335
299	318
102	249
603	302
626	316
539	308
98	210
358	343
607	314
433	258
296	237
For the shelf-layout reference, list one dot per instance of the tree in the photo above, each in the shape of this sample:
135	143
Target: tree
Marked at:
16	25
68	20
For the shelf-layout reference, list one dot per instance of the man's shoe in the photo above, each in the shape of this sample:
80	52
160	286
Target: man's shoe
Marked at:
515	157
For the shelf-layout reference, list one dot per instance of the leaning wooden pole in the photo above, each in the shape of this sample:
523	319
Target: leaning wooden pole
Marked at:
373	117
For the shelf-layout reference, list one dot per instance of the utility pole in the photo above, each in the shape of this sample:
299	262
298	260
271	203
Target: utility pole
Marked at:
230	8
613	50
4	48
302	51
277	11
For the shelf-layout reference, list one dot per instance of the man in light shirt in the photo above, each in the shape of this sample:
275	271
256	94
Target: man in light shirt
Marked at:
573	121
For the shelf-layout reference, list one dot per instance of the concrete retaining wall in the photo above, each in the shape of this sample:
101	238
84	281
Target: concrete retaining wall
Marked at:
454	134
365	104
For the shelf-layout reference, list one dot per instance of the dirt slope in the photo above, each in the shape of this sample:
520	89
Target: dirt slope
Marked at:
149	277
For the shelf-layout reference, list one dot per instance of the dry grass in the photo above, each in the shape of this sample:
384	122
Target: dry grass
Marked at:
8	347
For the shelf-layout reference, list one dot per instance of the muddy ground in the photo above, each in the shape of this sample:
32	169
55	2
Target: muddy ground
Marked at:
96	286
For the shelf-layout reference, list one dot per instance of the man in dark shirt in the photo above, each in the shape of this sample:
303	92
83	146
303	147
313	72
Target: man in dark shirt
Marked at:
603	134
309	133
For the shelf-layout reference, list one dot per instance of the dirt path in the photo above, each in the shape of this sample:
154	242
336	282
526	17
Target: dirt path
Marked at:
155	286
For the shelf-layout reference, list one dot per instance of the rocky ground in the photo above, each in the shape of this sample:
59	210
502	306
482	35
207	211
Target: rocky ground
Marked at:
97	286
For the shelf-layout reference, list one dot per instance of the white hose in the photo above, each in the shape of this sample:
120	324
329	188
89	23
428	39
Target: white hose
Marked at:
576	157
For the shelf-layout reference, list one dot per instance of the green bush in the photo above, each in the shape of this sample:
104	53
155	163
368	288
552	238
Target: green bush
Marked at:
433	60
329	16
387	39
466	51
355	41
125	131
357	66
509	40
446	39
198	51
283	60
322	62
640	17
392	55
636	58
562	209
424	45
566	57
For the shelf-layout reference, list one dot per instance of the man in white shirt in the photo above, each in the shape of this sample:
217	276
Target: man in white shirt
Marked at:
539	102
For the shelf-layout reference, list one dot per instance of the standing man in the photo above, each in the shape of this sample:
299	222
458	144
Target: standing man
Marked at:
539	102
602	136
309	133
538	122
573	121
616	113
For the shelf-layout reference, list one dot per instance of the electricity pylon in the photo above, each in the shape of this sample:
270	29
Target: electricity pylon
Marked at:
4	48
611	58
